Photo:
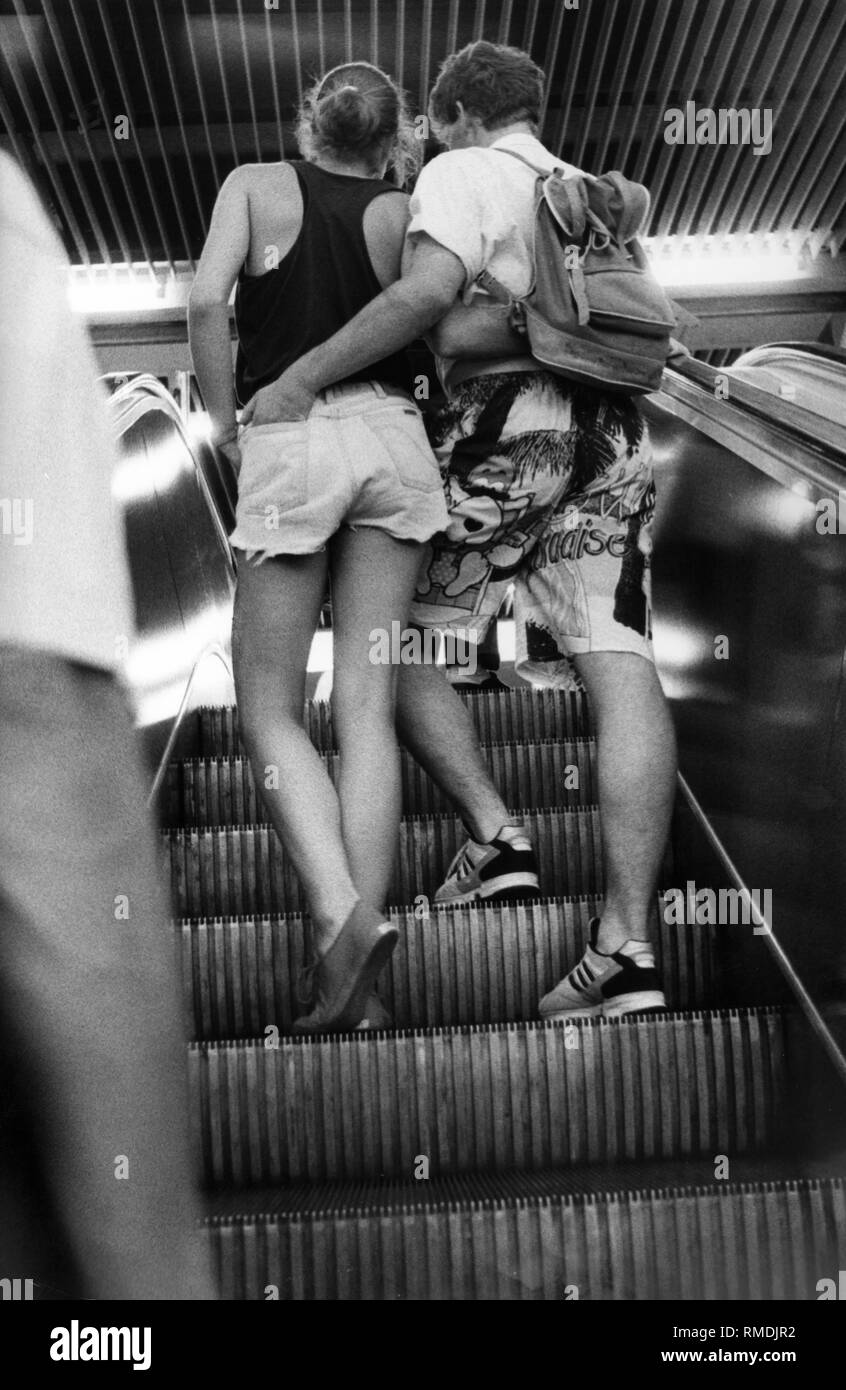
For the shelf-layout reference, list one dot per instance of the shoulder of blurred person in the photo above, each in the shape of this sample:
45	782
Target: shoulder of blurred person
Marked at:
63	568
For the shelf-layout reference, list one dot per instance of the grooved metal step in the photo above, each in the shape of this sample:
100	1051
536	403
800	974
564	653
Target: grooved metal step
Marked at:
764	1241
472	964
527	1096
221	791
240	871
512	716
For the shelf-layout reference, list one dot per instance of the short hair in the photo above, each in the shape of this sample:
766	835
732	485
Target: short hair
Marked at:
358	111
495	83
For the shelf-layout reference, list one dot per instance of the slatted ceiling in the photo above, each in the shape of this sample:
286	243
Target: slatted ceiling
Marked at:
177	105
681	211
113	218
671	42
809	105
773	66
627	53
681	166
210	83
127	107
650	55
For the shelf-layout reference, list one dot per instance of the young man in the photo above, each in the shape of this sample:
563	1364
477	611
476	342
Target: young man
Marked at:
549	486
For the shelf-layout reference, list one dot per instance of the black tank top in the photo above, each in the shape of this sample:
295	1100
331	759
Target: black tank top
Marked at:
321	284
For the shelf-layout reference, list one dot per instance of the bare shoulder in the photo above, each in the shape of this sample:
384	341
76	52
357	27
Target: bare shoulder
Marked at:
264	180
390	210
385	222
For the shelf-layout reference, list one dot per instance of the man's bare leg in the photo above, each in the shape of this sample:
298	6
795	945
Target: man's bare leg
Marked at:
435	725
636	751
637	770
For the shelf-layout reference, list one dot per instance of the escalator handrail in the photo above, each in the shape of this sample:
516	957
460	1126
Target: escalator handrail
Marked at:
771	354
823	435
143	394
794	983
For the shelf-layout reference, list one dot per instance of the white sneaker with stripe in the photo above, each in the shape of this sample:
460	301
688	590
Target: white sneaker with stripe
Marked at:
614	984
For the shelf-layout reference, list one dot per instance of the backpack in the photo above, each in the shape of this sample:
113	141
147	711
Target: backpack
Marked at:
595	312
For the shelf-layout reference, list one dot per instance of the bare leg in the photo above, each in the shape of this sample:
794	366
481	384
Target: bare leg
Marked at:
435	725
637	770
373	578
277	607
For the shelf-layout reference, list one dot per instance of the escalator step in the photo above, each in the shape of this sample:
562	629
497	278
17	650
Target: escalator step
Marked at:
508	716
241	871
487	1097
471	964
738	1241
221	791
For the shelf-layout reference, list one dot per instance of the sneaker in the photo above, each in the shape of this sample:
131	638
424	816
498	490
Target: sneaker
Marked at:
623	982
504	869
341	980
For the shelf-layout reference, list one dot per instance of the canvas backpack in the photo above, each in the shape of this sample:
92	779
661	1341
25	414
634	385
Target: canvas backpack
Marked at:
595	312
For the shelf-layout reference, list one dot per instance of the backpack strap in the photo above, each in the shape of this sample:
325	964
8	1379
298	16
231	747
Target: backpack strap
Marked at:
494	287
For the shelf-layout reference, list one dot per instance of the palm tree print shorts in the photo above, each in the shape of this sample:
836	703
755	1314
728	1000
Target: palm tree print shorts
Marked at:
549	488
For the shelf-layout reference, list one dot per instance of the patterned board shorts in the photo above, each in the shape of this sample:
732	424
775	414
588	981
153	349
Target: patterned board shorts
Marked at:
549	488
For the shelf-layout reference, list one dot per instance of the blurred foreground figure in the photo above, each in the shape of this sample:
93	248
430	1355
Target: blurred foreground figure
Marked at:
88	987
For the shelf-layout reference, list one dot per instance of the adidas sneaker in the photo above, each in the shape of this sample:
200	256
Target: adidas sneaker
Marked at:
504	869
622	982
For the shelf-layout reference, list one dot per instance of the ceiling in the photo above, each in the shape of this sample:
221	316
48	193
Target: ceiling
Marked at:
206	84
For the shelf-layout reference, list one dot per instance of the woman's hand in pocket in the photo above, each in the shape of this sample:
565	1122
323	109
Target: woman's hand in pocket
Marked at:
287	398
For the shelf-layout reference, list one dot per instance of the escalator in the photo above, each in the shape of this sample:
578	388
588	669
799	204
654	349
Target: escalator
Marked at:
472	1152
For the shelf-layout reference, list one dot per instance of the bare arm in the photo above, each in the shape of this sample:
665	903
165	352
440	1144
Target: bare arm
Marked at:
208	305
480	329
401	313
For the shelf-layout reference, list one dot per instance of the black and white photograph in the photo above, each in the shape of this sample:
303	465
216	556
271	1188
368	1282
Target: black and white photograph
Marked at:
423	667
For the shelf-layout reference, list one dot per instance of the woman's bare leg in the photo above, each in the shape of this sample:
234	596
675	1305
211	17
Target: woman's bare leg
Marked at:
277	607
373	579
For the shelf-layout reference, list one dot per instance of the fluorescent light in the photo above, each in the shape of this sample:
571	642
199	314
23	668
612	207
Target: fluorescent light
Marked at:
682	262
126	289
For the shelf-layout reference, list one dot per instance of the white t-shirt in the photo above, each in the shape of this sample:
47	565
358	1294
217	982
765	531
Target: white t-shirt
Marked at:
64	584
480	204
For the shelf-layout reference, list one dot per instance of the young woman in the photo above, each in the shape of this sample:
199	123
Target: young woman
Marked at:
350	493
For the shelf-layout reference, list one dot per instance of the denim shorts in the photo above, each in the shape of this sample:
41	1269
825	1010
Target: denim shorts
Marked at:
361	458
550	490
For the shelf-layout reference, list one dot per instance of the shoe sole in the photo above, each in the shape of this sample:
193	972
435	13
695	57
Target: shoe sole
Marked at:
506	888
646	1001
350	1014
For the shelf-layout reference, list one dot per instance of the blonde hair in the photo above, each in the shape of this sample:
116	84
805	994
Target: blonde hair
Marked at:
357	110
